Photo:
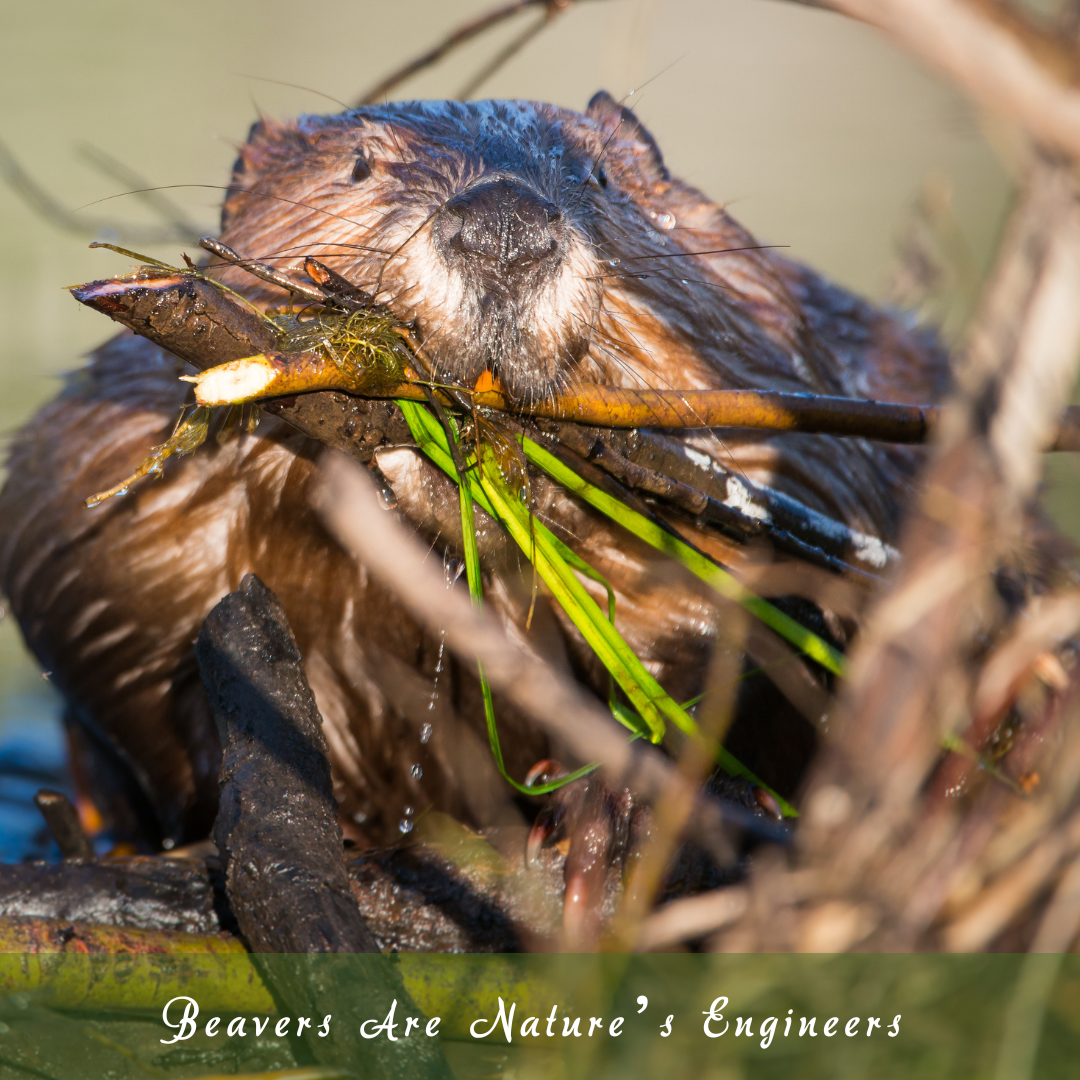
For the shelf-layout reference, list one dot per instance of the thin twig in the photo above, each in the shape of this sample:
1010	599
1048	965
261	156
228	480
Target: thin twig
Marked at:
452	41
508	52
263	271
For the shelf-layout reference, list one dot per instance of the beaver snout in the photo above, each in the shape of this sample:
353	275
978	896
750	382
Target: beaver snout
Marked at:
507	288
501	228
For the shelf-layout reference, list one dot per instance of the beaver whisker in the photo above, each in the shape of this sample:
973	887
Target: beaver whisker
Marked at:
229	188
433	354
397	251
599	158
714	251
281	252
708	284
645	276
647	361
400	293
626	346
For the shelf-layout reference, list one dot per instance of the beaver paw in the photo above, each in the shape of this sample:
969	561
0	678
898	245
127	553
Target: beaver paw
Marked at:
599	828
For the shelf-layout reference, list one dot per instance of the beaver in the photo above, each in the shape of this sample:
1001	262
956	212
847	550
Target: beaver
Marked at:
545	247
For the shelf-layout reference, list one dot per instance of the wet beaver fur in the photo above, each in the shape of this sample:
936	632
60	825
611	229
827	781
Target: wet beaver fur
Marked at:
547	246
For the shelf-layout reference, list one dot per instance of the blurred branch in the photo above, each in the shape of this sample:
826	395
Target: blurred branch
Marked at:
692	917
551	12
673	810
993	52
142	189
908	682
461	36
46	206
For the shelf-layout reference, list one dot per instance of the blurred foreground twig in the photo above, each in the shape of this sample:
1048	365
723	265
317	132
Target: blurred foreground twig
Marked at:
354	514
886	856
995	53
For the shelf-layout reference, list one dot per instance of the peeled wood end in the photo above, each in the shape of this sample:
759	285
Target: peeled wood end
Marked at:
233	383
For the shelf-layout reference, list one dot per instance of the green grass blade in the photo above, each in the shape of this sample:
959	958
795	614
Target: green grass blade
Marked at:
542	547
568	591
545	550
720	579
476	593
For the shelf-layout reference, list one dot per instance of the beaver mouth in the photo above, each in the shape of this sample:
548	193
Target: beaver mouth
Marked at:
511	294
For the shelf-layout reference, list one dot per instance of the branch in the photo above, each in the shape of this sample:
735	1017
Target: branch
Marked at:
195	320
455	39
278	833
191	318
273	374
284	872
44	204
994	54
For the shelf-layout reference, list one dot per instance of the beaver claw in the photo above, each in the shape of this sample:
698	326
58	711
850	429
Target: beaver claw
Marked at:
598	828
595	823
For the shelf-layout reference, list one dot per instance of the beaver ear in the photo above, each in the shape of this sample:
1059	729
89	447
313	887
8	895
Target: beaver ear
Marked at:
269	144
607	112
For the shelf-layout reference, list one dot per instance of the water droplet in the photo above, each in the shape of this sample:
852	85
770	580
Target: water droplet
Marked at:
438	672
614	262
416	772
168	843
409	811
359	817
425	732
405	826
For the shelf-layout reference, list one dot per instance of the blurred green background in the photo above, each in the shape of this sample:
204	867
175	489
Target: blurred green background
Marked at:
817	132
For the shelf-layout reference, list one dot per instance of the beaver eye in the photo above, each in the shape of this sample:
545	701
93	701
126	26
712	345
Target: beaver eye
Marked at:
601	177
361	170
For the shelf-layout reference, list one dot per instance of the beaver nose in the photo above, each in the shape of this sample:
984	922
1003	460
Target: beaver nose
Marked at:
504	222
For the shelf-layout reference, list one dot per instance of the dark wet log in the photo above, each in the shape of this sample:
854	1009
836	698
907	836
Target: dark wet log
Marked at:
138	894
197	322
279	838
63	821
277	829
412	899
460	893
649	462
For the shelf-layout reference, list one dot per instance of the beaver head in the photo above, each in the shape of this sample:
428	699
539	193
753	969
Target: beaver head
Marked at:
542	245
